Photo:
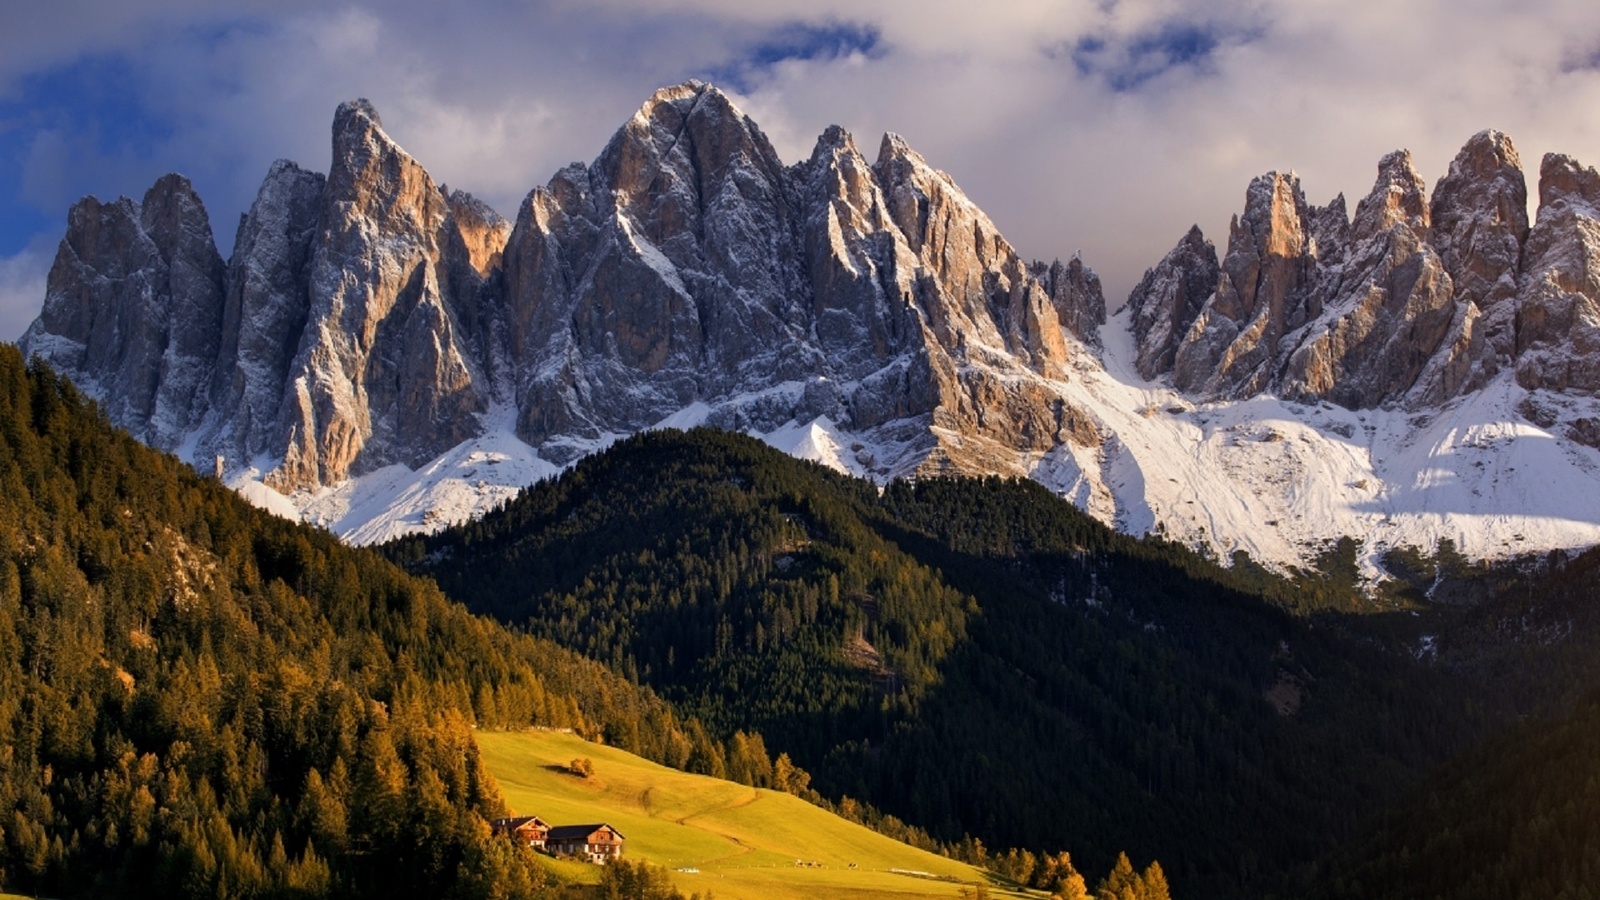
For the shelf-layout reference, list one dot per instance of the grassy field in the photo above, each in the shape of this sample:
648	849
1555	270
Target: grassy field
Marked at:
744	842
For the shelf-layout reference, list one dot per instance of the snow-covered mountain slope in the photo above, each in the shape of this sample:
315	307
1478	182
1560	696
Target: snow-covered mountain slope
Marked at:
383	356
1280	479
1277	479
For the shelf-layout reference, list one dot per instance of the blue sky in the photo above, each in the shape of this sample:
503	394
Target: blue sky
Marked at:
1105	127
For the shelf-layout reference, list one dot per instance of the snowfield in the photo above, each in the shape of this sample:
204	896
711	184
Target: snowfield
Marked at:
1277	479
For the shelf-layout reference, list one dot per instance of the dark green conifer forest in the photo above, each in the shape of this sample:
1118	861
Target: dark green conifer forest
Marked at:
975	656
201	700
198	699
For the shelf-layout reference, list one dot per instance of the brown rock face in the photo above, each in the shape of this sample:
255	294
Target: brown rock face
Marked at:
1413	301
1389	308
1383	330
1079	300
667	272
381	376
980	308
1169	298
133	308
371	318
687	264
1480	222
1558	323
1263	293
266	309
1398	199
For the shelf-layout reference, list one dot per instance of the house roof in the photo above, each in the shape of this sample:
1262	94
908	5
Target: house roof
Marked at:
578	832
513	823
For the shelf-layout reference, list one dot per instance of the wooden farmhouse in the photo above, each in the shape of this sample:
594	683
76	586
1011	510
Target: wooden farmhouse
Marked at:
529	830
595	843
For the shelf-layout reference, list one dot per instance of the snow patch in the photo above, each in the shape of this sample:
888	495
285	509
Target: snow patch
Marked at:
820	440
1273	478
461	484
262	497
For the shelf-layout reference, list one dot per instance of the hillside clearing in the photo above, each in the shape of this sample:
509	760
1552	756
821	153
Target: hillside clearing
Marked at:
745	842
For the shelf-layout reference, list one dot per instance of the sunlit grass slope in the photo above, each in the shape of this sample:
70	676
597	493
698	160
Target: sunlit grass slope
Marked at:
745	842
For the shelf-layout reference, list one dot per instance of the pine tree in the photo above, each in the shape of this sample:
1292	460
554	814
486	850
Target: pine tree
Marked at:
1153	883
1121	884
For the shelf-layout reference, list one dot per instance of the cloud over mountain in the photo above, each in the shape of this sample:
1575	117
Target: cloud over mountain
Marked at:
1107	128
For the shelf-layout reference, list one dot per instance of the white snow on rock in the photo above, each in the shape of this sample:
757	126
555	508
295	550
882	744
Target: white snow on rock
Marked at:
463	483
1279	480
820	440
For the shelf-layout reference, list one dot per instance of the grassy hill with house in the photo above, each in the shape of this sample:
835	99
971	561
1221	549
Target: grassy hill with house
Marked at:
718	836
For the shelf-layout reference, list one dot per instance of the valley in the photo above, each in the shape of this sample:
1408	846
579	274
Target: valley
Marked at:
826	525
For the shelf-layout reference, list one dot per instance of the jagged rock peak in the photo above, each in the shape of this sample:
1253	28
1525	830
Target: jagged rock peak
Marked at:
1398	198
674	94
133	306
1563	180
1169	298
1274	217
1485	186
672	106
1558	315
894	147
1075	291
1486	155
1261	294
833	137
267	301
1480	223
350	112
685	141
382	374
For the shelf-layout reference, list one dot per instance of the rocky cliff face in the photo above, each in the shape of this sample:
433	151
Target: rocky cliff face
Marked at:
1414	301
1262	292
1558	309
371	317
133	308
856	308
1169	298
266	308
381	375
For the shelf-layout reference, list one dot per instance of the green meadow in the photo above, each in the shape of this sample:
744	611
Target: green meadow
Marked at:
745	842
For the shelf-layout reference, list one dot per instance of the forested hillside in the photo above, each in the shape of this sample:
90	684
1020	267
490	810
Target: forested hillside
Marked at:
1518	819
200	700
197	699
975	657
1520	816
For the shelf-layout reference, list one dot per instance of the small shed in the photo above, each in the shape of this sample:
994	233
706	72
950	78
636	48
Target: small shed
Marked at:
595	843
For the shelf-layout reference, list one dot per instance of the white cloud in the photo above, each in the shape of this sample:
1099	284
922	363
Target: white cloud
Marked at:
1102	127
22	282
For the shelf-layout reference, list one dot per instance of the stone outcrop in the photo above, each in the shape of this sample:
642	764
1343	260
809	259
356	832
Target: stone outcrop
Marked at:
267	307
1385	310
133	308
1263	293
1169	298
374	317
665	273
1558	322
380	374
856	307
687	264
1412	301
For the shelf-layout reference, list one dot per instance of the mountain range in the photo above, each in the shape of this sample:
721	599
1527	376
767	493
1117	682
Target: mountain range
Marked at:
383	355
